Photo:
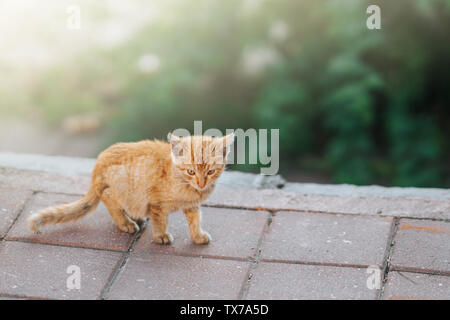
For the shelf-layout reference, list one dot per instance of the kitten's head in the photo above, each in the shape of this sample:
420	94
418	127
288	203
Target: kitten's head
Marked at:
200	160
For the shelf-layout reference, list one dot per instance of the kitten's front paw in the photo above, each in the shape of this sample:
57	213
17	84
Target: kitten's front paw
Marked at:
163	239
129	226
202	238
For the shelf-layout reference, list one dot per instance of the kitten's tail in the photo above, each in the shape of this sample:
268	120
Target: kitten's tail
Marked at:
64	213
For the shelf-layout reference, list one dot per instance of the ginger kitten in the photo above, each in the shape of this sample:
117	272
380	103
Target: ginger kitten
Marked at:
149	179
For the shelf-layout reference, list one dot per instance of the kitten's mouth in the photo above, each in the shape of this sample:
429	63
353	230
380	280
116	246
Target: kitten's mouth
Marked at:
198	188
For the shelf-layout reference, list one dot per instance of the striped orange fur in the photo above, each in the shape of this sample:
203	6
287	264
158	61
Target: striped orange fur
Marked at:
149	179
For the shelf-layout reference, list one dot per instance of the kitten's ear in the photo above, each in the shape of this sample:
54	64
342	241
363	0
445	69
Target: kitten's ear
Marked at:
172	138
225	143
229	140
175	145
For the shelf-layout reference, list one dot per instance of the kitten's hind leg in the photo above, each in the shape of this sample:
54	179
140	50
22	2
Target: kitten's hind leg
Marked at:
122	221
159	226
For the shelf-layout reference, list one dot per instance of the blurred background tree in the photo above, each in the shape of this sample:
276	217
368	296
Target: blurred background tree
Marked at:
353	105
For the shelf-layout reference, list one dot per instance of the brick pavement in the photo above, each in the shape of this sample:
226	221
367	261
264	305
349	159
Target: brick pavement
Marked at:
267	244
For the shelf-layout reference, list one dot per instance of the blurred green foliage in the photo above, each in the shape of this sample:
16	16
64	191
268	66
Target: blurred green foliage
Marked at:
364	106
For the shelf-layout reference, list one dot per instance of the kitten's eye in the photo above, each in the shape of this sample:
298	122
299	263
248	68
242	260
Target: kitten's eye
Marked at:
190	172
210	172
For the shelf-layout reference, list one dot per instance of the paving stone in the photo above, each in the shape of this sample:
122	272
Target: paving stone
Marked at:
235	233
44	181
39	162
36	270
238	180
72	166
422	245
10	298
283	200
327	238
333	225
310	282
272	199
367	191
416	286
167	277
12	202
96	230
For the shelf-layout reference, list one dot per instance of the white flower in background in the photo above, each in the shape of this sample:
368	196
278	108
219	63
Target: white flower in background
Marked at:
149	63
256	60
279	31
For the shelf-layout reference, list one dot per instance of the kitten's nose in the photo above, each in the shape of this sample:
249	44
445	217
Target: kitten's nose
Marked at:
201	182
